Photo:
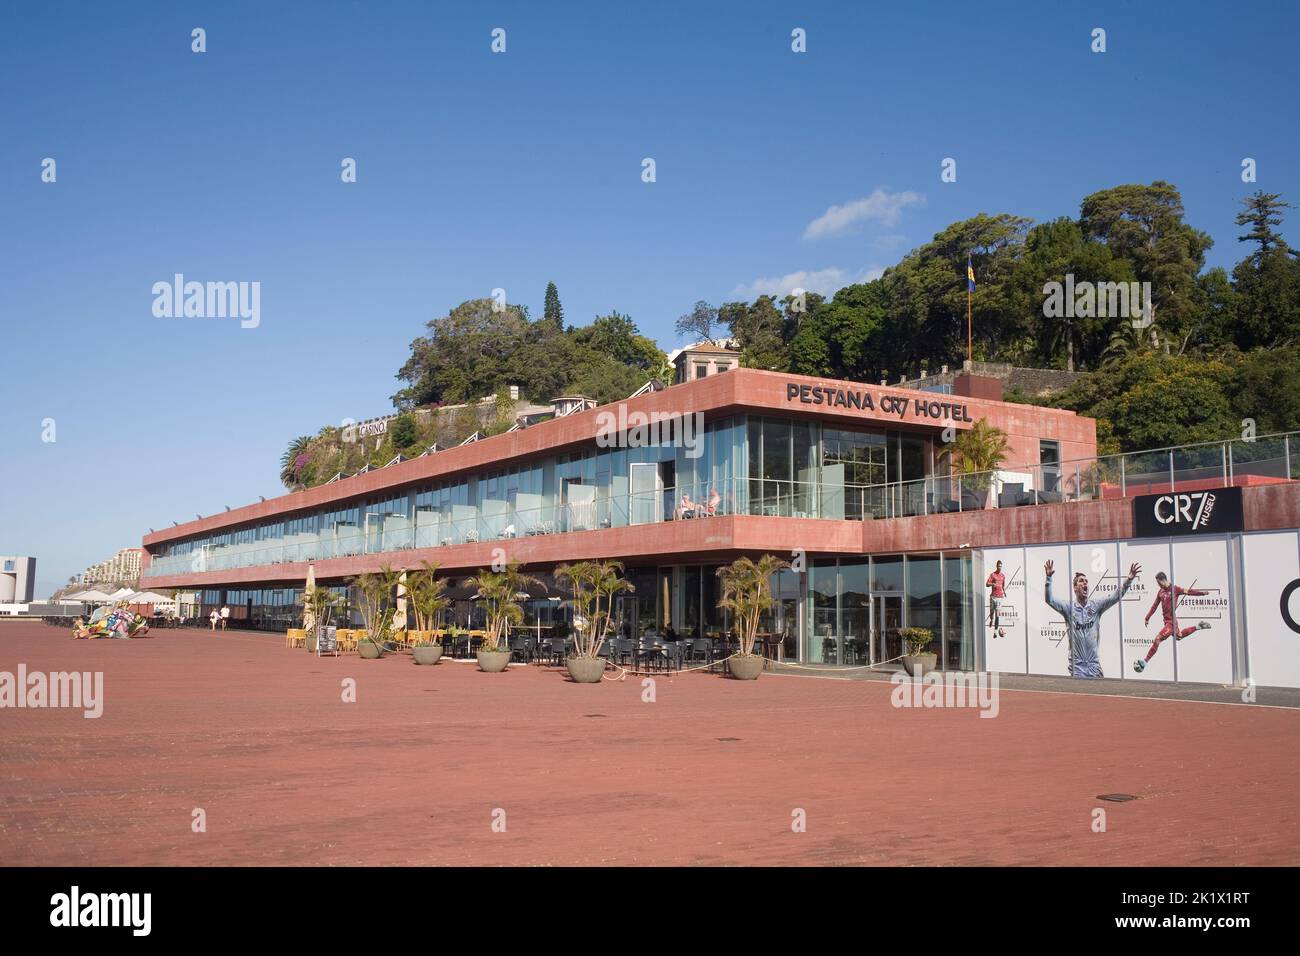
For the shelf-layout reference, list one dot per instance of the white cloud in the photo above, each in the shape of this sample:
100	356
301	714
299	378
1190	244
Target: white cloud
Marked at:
823	281
884	207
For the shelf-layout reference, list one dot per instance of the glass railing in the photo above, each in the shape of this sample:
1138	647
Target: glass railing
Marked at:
1267	459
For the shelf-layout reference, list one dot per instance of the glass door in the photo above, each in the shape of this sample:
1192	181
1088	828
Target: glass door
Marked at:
647	492
886	621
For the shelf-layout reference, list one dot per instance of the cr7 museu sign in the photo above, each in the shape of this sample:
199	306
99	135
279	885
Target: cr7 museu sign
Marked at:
1211	511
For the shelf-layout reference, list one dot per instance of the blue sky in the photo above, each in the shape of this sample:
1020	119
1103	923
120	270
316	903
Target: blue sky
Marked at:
478	170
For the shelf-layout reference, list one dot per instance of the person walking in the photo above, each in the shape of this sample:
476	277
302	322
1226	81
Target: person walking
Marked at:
225	616
213	618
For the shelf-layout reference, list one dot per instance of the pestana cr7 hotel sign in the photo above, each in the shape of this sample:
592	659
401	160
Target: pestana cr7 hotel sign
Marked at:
837	396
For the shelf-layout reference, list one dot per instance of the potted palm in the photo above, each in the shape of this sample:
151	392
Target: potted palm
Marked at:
918	658
500	592
747	594
425	591
975	455
594	585
376	590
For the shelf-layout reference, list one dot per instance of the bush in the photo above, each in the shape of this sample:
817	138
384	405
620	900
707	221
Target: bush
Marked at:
918	639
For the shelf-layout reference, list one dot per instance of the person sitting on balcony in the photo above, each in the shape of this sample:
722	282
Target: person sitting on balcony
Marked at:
686	509
715	499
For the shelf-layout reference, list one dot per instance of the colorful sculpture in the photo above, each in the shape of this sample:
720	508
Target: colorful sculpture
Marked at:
120	622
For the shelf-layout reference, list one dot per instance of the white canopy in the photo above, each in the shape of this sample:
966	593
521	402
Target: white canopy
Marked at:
91	597
120	593
149	597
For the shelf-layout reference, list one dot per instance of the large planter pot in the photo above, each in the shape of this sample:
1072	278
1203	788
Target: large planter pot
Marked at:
311	643
746	666
493	662
369	650
427	655
917	664
586	670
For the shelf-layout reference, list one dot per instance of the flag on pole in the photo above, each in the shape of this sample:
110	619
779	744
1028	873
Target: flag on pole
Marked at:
970	275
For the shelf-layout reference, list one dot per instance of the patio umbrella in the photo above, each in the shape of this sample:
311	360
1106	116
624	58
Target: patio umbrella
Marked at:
309	614
149	597
93	597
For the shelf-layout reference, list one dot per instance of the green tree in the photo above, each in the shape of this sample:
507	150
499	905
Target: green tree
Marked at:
465	355
552	311
927	293
1266	284
501	592
977	451
1054	251
404	432
747	594
503	413
761	331
1262	212
1144	226
1265	387
848	337
615	335
1154	400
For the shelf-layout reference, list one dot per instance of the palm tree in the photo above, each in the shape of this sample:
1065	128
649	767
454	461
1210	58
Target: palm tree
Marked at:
501	592
665	373
318	603
1127	339
594	585
377	589
289	462
977	453
426	592
747	593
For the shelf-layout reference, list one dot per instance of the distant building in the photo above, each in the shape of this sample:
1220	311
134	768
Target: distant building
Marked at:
121	568
17	579
702	360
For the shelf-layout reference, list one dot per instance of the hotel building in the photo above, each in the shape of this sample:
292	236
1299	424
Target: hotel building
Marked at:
850	482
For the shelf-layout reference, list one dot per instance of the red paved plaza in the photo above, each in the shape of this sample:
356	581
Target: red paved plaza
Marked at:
258	736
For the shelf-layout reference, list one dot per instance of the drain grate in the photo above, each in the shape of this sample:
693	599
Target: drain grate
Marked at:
593	715
727	740
1117	797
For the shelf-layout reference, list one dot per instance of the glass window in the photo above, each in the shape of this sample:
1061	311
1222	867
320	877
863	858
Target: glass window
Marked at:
887	573
923	600
822	617
855	612
958	612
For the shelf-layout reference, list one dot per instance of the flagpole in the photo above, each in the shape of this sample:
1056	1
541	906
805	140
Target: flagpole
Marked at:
968	326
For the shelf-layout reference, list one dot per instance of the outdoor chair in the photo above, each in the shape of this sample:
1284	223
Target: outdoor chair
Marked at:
621	649
295	637
1012	495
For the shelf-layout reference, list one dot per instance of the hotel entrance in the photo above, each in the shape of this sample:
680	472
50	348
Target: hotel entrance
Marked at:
855	608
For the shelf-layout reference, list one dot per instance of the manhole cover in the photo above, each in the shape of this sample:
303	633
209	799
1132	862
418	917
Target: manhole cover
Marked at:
1117	797
727	740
